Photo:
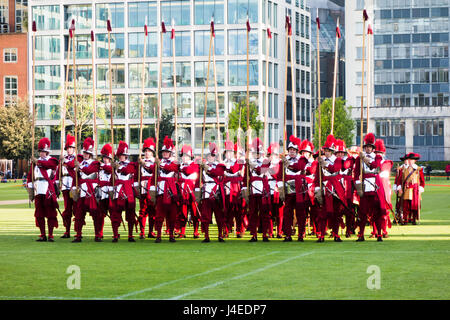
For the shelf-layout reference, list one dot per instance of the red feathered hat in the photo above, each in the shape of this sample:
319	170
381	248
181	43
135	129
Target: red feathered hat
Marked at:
122	149
274	147
107	151
168	145
256	145
70	142
229	146
340	145
187	149
330	143
379	146
88	145
369	140
149	144
306	146
294	142
212	148
353	150
44	145
413	156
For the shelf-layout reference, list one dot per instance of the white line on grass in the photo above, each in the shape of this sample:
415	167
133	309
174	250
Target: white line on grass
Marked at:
192	276
218	283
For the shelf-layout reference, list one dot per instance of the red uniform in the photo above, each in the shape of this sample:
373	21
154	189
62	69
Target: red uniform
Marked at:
45	200
275	178
233	179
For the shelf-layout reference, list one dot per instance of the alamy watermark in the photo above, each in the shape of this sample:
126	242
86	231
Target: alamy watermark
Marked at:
374	280
74	280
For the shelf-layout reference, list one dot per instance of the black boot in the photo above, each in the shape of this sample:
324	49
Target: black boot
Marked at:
41	239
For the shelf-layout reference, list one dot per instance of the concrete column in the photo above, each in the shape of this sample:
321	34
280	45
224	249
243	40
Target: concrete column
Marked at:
409	135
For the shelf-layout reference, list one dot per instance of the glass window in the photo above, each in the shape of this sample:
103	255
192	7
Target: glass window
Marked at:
202	39
237	42
134	106
47	107
182	44
135	131
47	77
238	10
83	46
205	9
138	11
118	76
10	90
112	11
201	68
176	10
84	76
46	17
136	45
10	55
183	104
183	74
237	73
47	48
118	106
104	135
81	13
235	98
135	75
117	44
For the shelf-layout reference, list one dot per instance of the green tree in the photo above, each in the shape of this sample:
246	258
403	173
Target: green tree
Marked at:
237	118
16	131
344	125
166	127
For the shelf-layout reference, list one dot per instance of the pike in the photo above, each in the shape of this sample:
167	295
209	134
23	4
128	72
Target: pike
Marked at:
338	36
288	30
369	78
249	133
33	39
293	84
175	98
318	98
74	75
94	97
215	88
365	18
266	105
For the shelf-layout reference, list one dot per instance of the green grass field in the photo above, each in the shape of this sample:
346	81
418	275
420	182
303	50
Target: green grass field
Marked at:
414	262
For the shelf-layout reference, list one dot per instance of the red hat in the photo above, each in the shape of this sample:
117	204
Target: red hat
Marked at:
107	151
294	142
229	146
306	146
369	140
212	148
256	146
353	150
149	144
44	145
187	149
413	156
122	149
167	144
379	146
274	147
340	145
330	143
70	142
88	145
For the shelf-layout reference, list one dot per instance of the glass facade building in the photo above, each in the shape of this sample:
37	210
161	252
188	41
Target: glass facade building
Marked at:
191	19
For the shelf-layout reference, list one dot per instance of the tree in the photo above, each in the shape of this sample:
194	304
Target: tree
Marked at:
16	131
343	124
237	118
166	127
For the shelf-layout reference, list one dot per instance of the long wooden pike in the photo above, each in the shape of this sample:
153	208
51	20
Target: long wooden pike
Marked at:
142	101
216	93
338	36
109	28
365	18
266	105
318	97
94	96
175	97
287	28
33	39
248	106
206	104
162	31
369	73
75	111
293	81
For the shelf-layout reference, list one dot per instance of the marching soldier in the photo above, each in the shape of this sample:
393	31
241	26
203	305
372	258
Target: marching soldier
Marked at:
188	180
104	189
66	181
146	204
233	179
353	205
124	197
372	203
259	193
213	197
43	190
332	191
88	181
410	186
399	202
276	188
167	193
292	181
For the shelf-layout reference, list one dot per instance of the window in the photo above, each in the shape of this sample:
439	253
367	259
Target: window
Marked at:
21	12
138	11
135	131
47	107
81	13
200	70
237	73
202	39
118	104
177	11
183	74
83	46
9	55
136	45
134	106
238	10
237	42
184	108
118	76
135	75
10	90
4	11
112	11
84	76
117	44
46	17
205	9
47	47
182	44
211	104
47	77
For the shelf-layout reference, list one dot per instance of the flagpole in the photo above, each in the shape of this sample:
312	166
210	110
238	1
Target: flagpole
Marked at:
266	106
335	75
94	97
365	17
142	102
